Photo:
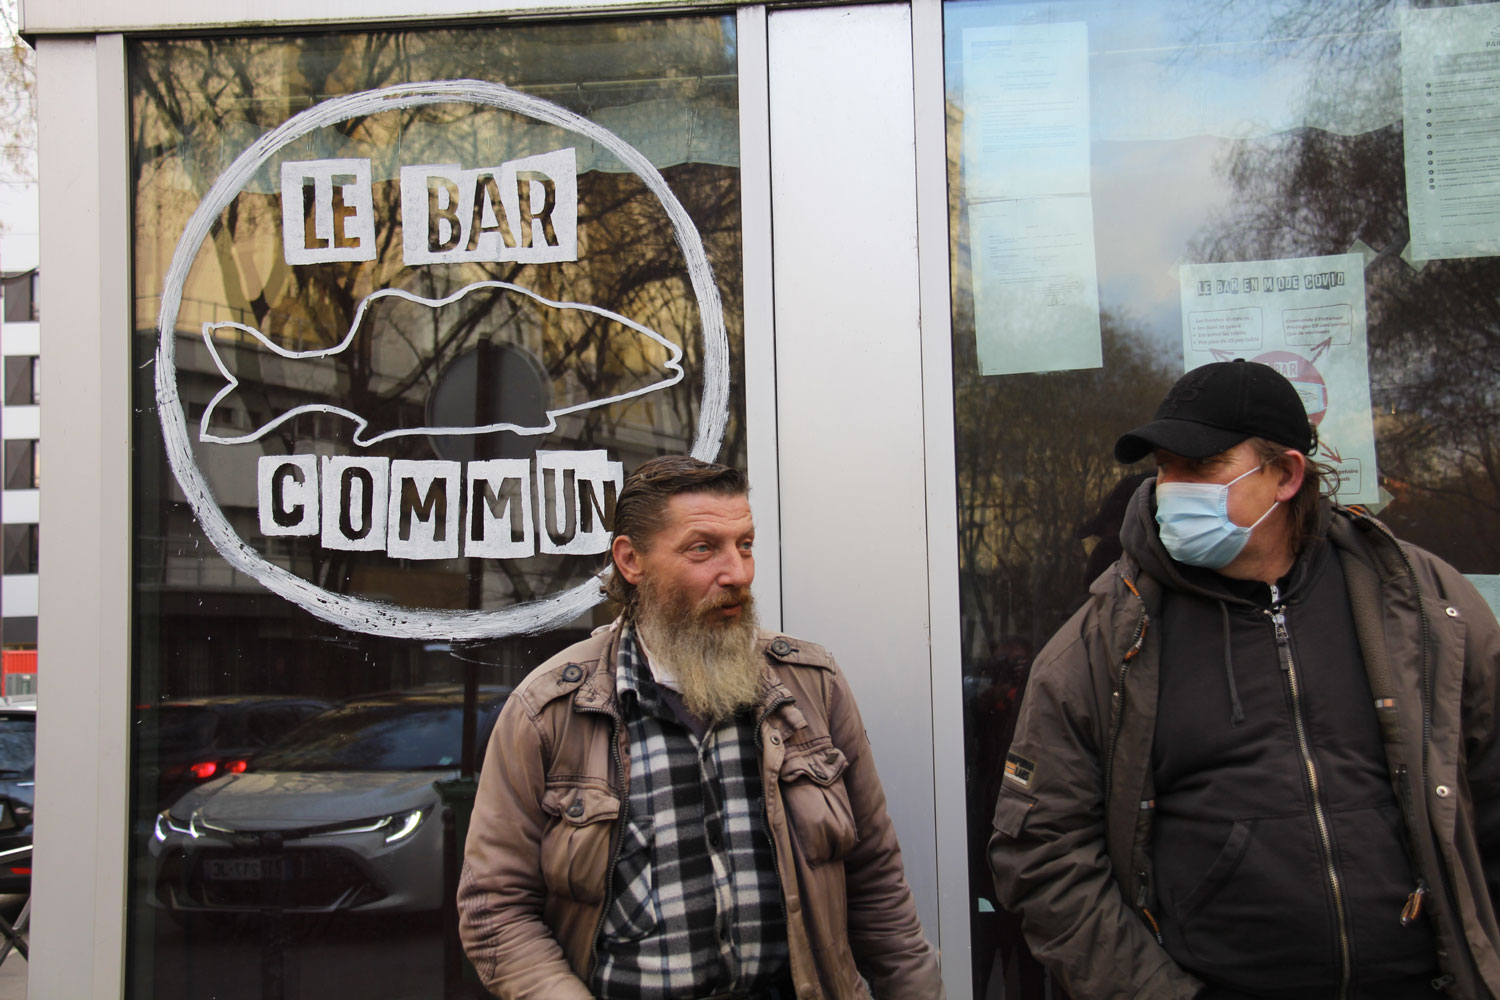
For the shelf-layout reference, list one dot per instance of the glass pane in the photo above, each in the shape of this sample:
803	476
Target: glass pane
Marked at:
414	341
18	380
1139	189
20	548
20	464
17	747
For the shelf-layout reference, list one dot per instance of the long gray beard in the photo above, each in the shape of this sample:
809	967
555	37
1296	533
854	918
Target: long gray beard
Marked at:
716	663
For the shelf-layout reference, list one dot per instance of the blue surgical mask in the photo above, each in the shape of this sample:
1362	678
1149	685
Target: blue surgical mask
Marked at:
1195	525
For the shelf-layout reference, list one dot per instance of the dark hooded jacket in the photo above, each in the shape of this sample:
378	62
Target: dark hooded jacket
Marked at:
1289	830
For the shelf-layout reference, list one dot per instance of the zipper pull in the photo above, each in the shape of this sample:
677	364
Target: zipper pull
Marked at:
1413	907
1142	897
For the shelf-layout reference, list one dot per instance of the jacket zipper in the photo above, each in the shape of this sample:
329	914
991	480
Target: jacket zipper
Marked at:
1136	642
1443	878
619	836
1416	588
1277	614
765	815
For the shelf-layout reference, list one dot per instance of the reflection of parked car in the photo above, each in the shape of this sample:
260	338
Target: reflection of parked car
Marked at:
193	740
339	815
17	788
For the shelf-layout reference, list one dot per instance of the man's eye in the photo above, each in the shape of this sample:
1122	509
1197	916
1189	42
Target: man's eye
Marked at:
747	546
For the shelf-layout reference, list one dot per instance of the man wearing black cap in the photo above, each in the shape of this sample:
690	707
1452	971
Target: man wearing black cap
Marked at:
1262	760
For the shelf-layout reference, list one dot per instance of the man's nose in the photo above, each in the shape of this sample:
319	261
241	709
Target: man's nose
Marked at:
737	570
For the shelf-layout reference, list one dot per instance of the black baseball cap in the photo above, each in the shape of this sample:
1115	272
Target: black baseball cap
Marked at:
1214	407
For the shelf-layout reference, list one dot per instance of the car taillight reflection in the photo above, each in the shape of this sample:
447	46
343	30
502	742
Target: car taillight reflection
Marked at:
204	770
235	767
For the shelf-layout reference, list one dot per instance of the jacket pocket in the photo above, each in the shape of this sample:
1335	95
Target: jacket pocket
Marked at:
1219	872
576	843
634	912
1011	810
813	792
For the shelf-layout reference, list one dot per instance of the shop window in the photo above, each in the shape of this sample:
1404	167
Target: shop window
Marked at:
21	548
22	387
21	302
22	464
1136	190
489	296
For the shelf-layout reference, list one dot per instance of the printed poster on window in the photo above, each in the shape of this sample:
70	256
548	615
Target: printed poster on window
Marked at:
1305	317
1026	178
1450	87
1036	289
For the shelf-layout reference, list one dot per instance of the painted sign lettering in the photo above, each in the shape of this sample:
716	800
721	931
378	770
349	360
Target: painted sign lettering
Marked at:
522	210
327	212
525	210
495	509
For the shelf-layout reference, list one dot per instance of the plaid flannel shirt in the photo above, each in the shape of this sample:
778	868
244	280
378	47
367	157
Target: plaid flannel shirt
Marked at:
696	903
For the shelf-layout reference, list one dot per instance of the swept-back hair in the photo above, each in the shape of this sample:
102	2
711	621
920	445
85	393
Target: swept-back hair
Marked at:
1320	480
641	510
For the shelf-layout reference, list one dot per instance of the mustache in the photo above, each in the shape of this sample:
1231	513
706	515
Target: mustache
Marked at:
726	599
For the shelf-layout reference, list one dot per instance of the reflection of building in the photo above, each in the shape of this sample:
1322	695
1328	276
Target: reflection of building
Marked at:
20	424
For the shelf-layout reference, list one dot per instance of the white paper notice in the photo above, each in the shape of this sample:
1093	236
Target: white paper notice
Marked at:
1036	290
1026	180
1450	88
1304	317
1026	110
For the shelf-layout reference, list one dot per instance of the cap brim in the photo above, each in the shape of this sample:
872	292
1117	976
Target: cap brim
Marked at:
1181	437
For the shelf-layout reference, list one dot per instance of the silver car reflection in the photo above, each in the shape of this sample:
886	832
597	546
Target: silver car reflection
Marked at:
342	814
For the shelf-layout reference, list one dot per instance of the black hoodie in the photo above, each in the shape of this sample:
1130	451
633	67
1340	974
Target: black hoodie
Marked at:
1278	847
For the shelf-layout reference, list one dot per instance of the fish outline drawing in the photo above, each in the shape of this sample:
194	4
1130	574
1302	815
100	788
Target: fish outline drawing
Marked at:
672	365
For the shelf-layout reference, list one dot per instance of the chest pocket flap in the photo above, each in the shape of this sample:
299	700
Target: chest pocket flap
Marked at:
1011	811
576	843
812	787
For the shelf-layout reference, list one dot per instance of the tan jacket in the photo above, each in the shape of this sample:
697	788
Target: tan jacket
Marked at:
546	826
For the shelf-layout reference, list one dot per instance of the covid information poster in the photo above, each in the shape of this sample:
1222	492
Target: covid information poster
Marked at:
1450	90
1305	317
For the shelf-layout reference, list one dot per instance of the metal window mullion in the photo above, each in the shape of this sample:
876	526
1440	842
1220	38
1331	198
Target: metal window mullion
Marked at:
759	318
80	870
930	112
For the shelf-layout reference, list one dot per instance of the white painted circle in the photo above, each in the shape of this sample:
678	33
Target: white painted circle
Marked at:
357	613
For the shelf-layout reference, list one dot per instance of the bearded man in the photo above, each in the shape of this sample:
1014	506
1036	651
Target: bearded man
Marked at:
683	806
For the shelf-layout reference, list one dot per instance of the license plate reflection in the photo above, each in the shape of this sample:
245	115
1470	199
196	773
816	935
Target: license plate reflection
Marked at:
244	869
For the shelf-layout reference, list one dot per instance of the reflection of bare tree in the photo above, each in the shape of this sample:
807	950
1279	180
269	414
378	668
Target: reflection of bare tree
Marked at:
197	103
1035	460
1434	332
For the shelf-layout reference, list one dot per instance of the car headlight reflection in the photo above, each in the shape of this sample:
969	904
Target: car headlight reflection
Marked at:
396	827
167	823
404	826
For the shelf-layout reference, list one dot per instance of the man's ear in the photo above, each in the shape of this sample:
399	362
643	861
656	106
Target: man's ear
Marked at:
1293	468
627	559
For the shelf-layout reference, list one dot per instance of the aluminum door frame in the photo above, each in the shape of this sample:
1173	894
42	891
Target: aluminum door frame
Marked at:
864	408
83	733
